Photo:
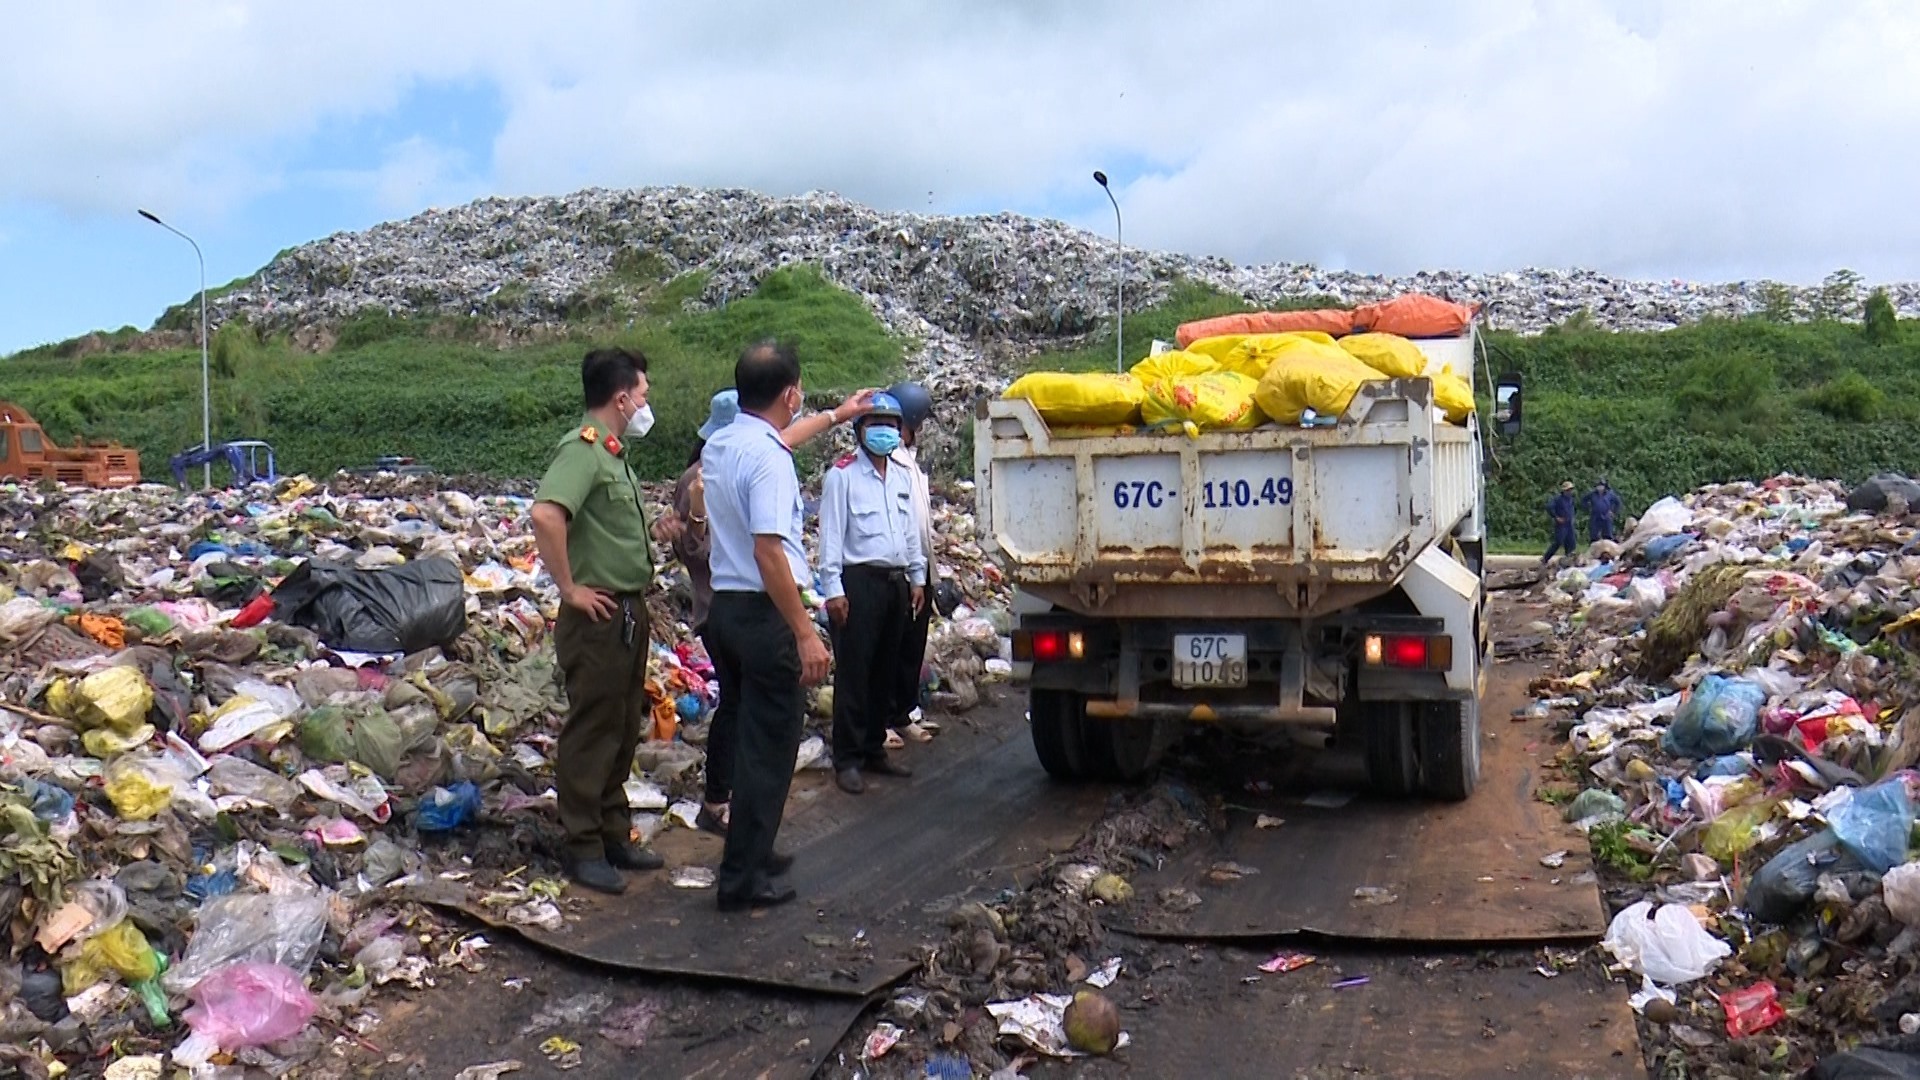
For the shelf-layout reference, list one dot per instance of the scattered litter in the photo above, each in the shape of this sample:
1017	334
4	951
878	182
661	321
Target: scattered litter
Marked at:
1287	961
1375	896
693	877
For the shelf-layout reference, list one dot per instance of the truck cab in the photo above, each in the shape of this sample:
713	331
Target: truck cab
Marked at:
1320	585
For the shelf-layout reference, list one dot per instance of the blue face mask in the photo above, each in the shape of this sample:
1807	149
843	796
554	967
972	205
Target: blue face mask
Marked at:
881	440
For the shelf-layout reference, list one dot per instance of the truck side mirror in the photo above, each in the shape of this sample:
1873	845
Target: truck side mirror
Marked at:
1507	404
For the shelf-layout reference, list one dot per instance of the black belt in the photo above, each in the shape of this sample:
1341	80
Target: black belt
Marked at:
897	573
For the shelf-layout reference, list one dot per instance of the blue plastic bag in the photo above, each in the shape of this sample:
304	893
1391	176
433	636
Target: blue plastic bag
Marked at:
1873	825
1662	549
50	803
1719	718
449	808
1724	765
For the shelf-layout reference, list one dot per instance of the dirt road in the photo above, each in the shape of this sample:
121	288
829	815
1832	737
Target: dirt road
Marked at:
1404	982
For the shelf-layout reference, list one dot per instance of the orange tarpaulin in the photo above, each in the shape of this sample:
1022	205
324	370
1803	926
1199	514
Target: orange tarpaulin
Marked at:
1328	321
1415	315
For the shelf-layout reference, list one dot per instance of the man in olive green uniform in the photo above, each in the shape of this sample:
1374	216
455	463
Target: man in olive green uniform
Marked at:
592	537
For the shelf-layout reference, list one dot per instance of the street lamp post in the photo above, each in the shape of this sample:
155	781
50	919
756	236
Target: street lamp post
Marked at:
206	393
1120	281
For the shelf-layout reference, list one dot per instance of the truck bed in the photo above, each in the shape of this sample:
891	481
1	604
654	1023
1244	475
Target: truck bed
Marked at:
1274	522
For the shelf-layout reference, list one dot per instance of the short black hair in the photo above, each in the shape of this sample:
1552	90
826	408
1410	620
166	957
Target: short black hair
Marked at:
766	370
605	373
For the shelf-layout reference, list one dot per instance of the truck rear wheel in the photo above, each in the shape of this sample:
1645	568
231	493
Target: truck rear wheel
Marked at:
1449	749
1058	719
1387	733
1122	750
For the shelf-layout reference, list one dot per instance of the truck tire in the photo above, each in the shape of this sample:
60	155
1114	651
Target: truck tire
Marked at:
1059	722
1449	749
1125	751
1393	760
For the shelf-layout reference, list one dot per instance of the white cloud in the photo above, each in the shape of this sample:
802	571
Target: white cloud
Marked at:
1715	137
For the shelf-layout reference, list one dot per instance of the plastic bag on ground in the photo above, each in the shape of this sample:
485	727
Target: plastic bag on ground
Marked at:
1901	889
1664	518
1786	883
1896	1059
236	721
121	950
1214	401
117	698
1306	375
230	776
1092	398
251	928
403	609
1670	947
1389	354
249	1005
1331	321
1733	833
1874	824
138	788
449	808
1719	717
1595	803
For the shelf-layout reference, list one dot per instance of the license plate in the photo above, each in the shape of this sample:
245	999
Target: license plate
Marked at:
1209	660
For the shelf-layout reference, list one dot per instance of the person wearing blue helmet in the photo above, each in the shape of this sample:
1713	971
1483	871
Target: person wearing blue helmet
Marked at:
872	570
903	710
684	530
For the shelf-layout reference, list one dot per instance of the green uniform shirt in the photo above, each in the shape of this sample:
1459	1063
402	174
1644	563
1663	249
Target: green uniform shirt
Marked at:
607	531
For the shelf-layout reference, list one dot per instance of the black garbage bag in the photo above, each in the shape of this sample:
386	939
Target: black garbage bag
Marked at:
1788	881
400	609
1872	495
1894	1059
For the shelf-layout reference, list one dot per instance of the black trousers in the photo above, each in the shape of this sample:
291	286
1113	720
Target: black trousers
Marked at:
866	661
605	665
913	656
758	664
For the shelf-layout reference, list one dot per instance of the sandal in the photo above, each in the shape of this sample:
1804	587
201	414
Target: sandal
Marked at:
918	732
894	741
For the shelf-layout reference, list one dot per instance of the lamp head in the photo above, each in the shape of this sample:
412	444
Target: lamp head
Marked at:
1098	178
148	214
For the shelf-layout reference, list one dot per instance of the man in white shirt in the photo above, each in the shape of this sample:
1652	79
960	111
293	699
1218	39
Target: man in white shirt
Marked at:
871	563
916	405
765	647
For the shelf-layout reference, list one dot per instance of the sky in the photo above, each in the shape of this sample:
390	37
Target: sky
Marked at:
1699	139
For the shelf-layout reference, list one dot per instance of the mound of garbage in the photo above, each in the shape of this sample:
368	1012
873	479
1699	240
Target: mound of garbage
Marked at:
234	724
1742	704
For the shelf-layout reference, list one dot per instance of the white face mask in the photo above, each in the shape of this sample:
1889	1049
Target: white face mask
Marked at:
640	422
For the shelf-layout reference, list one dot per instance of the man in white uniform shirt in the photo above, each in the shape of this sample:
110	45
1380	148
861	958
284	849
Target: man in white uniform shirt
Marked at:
765	646
872	564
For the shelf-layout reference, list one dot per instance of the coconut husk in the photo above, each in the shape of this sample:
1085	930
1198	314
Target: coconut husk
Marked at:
1677	631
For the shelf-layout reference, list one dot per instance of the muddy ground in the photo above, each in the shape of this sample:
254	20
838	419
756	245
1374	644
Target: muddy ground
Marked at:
953	876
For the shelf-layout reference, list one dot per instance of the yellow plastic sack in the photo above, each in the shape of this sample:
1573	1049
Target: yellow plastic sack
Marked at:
1172	365
1308	375
135	795
1214	401
121	950
116	698
104	743
1253	354
1389	354
1081	399
1454	395
1734	832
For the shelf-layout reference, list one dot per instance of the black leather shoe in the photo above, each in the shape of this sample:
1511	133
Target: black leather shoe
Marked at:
764	897
598	875
886	766
850	781
627	856
779	863
708	821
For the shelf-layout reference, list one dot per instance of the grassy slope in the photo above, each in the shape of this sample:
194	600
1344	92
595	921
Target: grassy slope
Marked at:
1657	414
398	386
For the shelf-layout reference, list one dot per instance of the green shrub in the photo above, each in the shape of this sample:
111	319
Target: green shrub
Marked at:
373	326
1882	324
1726	393
1849	397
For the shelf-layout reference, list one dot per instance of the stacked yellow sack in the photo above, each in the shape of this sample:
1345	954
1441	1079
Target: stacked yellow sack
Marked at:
1454	395
1192	391
1389	354
1251	354
1096	399
1309	375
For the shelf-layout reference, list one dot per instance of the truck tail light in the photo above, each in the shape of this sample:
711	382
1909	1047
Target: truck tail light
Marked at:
1049	646
1408	652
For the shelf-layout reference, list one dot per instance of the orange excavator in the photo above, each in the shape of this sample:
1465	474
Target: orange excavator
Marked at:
27	454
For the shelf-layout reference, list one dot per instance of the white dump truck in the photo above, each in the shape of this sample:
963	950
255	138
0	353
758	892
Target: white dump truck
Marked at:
1318	584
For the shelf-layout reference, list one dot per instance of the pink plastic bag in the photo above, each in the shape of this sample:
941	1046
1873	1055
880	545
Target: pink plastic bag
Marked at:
1751	1008
250	1005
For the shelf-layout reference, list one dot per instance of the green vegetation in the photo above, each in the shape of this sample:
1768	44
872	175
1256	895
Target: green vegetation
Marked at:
1662	413
436	390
